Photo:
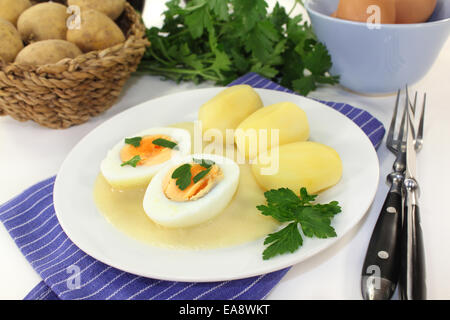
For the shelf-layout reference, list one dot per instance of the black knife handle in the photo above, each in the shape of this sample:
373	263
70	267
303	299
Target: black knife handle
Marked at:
381	266
412	273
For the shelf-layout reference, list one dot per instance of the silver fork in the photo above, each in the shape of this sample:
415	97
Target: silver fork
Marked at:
418	139
381	268
382	262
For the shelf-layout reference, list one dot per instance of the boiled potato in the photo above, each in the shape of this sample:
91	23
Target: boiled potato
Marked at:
112	8
11	9
254	134
10	41
47	52
43	21
97	32
300	164
229	108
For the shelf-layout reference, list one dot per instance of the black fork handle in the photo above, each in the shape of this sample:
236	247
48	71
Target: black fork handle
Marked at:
381	266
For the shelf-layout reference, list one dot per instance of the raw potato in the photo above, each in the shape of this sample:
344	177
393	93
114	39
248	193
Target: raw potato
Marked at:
11	9
47	52
97	32
43	21
254	134
229	108
10	41
301	164
112	8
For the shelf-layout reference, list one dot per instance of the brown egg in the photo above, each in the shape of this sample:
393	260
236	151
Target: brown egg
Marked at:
414	11
361	10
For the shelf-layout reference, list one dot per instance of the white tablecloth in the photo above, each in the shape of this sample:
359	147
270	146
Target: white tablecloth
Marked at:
30	153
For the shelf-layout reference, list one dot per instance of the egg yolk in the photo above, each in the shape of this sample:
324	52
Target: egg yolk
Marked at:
151	154
195	190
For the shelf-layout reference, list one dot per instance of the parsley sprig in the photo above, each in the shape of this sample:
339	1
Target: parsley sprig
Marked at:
286	207
183	174
222	40
132	162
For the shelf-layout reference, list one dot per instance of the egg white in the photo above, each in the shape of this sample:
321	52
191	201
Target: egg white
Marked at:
128	176
174	214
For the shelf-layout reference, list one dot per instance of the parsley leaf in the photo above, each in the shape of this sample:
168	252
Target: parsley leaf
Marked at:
283	197
279	17
285	206
314	223
204	163
183	173
132	162
286	240
220	8
221	40
305	84
249	13
164	143
318	60
183	176
207	164
280	204
135	142
305	198
261	40
201	175
197	21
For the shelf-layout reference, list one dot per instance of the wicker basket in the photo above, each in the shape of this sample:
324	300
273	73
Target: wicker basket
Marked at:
73	90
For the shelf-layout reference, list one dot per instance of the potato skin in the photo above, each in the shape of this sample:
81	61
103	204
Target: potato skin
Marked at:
10	41
43	21
97	32
47	52
112	8
11	9
312	165
229	108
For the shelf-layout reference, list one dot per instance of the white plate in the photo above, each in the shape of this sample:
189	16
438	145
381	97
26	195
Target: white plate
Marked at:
89	230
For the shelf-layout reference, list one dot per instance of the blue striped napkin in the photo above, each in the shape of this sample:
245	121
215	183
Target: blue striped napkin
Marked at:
30	219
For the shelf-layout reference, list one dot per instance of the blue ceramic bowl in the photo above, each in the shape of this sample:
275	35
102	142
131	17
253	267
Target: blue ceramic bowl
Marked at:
373	61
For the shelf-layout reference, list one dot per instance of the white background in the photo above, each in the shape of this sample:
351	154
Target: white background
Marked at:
30	153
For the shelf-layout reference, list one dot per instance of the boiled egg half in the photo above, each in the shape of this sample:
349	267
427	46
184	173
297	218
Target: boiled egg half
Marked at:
134	160
191	190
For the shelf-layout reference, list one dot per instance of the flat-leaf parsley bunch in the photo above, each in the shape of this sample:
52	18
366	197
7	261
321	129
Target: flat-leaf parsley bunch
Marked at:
221	40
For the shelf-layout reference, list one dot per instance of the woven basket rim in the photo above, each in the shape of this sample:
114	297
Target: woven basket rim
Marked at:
72	91
135	36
